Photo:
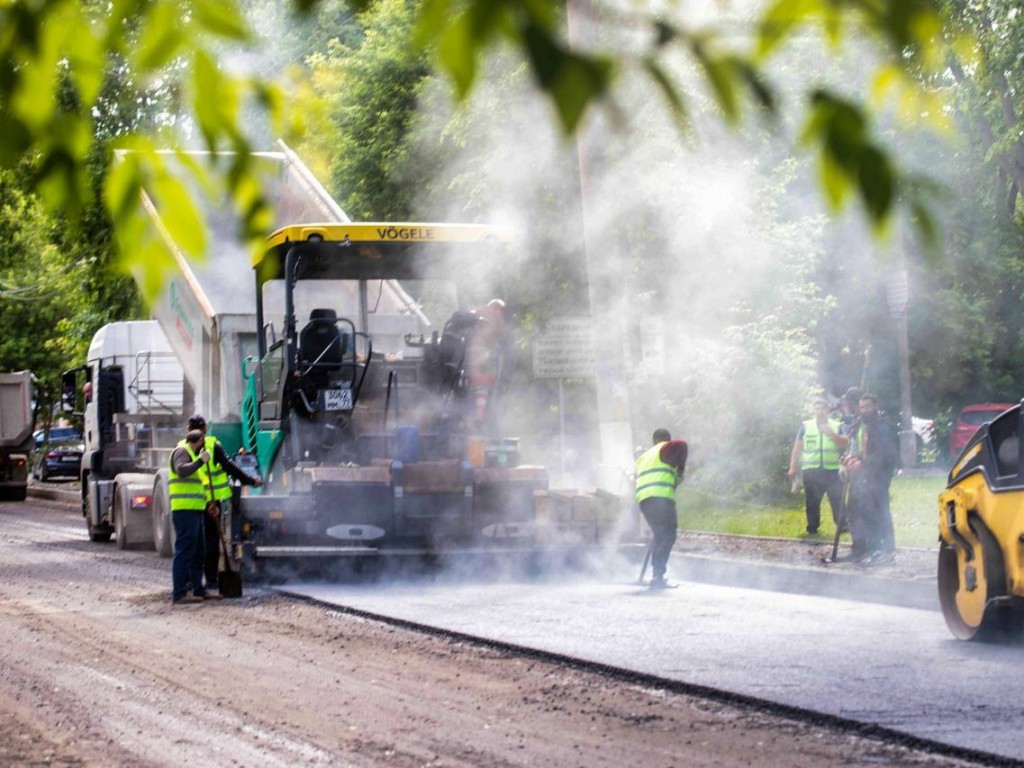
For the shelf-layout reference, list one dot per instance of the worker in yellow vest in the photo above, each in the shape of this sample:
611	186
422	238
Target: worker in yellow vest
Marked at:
219	468
815	455
659	470
186	490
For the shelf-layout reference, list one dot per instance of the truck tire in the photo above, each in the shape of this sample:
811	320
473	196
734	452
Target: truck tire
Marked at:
163	534
99	535
14	494
120	524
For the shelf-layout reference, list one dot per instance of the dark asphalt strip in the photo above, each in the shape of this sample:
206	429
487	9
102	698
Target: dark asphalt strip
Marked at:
751	703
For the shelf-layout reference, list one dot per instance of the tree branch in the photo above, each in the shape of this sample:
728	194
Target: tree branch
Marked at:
1011	165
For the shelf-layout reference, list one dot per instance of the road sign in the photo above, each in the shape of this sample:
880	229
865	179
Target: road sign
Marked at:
565	350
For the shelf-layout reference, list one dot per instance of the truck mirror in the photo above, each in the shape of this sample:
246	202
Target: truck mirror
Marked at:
67	392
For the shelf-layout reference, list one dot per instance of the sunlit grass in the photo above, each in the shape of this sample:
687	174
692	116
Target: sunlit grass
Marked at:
913	501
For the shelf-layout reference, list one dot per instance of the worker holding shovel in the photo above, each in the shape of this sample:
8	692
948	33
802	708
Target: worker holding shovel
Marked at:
659	470
219	469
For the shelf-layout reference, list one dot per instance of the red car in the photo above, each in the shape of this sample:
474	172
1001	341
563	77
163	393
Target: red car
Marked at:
971	417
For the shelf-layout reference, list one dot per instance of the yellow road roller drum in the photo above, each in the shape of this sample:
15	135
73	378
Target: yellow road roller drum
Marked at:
981	525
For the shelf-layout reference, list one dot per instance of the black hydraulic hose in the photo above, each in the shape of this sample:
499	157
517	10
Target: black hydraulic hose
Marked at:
369	357
392	380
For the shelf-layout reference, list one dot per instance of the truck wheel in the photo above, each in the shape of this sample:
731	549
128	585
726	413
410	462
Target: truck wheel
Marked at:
101	537
13	494
120	524
163	538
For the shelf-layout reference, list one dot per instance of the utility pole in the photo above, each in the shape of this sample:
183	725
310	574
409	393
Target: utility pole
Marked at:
612	385
899	297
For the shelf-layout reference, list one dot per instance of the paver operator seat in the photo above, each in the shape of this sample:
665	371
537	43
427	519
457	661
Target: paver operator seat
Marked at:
321	345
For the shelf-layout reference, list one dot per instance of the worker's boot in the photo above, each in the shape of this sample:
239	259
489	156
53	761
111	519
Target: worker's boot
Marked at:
662	583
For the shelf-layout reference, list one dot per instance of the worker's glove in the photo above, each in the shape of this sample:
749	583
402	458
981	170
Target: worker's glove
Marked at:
204	456
257	482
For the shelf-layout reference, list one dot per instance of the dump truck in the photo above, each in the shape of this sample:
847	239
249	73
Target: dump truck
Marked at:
132	393
17	421
981	534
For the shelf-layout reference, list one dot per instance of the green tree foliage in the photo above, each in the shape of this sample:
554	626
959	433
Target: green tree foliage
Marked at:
46	45
852	161
370	88
54	290
988	72
967	312
55	57
965	306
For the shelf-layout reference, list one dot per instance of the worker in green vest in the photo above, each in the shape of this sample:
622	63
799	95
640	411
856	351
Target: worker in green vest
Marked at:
218	515
815	456
186	490
659	470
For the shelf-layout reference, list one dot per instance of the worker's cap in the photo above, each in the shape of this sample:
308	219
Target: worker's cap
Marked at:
853	393
196	421
820	401
195	436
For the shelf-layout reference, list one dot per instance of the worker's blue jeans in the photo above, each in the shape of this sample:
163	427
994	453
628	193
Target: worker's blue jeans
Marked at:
660	514
189	550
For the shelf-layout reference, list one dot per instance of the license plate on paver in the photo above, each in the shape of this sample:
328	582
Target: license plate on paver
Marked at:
337	399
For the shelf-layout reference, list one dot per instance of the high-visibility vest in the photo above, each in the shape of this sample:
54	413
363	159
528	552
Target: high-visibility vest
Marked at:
218	475
654	478
819	451
187	493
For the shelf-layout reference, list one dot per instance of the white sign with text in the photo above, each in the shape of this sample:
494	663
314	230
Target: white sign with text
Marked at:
565	350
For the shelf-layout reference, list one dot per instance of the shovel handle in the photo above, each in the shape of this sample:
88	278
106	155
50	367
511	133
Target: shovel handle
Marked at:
647	559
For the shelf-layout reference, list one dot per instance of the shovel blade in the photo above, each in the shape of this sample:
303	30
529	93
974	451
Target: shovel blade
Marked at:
229	583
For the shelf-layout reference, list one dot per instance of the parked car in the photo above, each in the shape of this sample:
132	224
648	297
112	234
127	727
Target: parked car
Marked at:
970	418
61	456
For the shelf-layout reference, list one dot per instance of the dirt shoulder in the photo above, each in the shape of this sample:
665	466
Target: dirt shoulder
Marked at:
96	668
906	565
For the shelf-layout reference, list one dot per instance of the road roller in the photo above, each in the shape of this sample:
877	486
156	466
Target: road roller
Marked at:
981	534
